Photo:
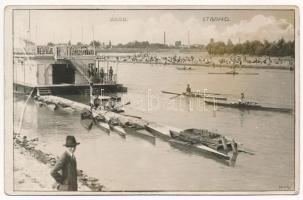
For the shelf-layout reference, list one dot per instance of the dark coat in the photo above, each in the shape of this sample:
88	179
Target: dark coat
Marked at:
67	178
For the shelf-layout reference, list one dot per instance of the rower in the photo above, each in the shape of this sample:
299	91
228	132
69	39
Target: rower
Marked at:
188	90
97	102
242	99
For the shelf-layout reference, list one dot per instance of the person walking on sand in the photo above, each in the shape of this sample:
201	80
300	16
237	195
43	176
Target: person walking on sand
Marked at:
65	172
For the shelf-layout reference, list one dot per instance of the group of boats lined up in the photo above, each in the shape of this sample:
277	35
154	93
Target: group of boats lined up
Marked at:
200	140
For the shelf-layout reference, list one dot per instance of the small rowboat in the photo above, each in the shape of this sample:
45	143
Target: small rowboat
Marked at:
116	126
234	73
103	125
160	130
139	131
206	141
52	107
249	106
184	68
202	148
118	129
100	121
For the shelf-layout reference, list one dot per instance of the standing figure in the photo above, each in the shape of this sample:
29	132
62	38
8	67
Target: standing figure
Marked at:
65	172
111	72
101	75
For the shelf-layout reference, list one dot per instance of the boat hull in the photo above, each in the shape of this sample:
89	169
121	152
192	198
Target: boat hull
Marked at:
201	148
118	129
160	130
103	126
249	107
141	133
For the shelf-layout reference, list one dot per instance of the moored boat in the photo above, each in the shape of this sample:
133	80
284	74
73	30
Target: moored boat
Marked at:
206	141
139	131
86	119
160	130
116	126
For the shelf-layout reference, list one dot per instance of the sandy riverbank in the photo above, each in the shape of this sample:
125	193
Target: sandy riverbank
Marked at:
32	169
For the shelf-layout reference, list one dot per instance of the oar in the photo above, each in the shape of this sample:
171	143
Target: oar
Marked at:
131	116
175	96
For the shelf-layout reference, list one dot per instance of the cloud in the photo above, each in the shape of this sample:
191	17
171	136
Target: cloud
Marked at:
257	28
260	28
147	27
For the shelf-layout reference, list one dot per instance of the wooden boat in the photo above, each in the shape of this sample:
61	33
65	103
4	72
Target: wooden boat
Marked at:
160	130
249	106
139	131
184	68
86	119
206	141
69	110
116	126
100	121
52	107
197	95
201	147
103	125
87	123
234	73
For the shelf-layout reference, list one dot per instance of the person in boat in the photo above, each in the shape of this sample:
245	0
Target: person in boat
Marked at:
111	104
242	99
65	171
97	102
188	89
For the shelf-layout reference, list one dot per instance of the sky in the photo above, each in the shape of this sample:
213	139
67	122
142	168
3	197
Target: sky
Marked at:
188	26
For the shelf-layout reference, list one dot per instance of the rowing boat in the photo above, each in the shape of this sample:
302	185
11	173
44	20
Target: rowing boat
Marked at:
234	73
118	129
248	106
116	126
139	131
103	125
184	68
206	141
160	130
198	95
202	148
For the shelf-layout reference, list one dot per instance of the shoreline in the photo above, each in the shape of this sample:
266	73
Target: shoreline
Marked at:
212	65
32	169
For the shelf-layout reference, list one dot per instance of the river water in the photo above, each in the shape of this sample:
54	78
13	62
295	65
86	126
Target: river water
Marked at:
134	164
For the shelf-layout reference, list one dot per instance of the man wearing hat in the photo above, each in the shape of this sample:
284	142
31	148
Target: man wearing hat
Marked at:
65	171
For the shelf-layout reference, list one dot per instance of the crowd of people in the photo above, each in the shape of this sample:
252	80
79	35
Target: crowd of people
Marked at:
215	61
98	75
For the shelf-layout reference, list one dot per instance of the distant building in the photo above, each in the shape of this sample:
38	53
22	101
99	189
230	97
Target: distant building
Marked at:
178	44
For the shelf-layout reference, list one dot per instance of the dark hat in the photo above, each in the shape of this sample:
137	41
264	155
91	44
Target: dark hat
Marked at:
71	141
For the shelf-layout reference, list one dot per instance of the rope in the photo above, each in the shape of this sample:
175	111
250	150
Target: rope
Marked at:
21	119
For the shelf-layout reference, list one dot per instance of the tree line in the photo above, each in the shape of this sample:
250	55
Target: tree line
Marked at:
256	48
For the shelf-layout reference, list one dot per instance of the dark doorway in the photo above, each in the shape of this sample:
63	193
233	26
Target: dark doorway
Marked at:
63	73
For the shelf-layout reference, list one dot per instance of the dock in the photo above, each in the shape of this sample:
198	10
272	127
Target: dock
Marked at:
64	69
